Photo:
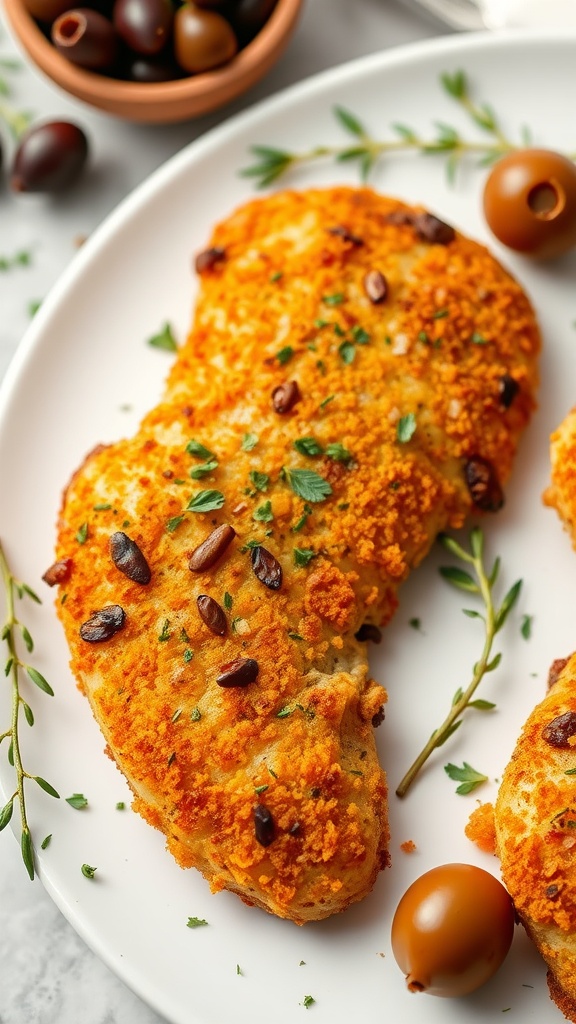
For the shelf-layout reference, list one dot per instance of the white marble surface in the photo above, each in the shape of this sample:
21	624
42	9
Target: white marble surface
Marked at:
47	974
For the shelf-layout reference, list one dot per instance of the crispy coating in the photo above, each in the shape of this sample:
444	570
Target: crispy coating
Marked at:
398	395
561	494
535	818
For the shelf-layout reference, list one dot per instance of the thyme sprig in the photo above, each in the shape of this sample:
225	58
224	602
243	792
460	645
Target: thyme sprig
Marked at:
14	627
365	150
480	583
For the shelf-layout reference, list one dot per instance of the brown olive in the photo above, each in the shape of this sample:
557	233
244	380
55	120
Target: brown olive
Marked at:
145	25
452	930
49	157
202	39
530	202
86	38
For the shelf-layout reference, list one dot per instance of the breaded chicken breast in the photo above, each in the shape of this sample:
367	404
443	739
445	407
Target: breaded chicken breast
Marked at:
356	379
535	818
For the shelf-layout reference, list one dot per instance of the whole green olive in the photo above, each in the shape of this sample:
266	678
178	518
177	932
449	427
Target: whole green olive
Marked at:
452	930
202	39
530	202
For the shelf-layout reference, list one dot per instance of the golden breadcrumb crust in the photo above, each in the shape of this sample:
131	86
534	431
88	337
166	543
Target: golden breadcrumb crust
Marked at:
398	394
535	818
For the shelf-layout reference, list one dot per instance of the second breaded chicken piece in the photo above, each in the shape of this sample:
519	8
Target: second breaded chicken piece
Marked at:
357	379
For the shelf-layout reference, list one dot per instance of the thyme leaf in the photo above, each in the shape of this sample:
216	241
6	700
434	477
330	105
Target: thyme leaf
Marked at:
467	776
481	582
12	628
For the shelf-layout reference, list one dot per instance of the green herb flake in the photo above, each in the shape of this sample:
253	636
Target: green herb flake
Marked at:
308	1001
526	626
88	871
285	711
164	339
260	481
196	922
303	518
478	339
34	306
415	624
174	523
82	534
347	352
261	789
333	300
227	601
285	355
165	632
204	469
102	507
326	401
307	484
176	714
249	441
467	776
199	450
46	842
440	314
308	446
206	501
295	636
303	556
188	655
406	427
78	801
276	276
264	513
195	715
120	806
361	337
338	452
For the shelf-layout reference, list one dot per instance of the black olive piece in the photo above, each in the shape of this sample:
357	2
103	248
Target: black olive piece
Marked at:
376	287
285	396
483	484
102	625
212	614
209	258
249	16
144	69
238	673
128	558
431	229
144	25
508	389
560	730
264	828
49	157
86	38
266	568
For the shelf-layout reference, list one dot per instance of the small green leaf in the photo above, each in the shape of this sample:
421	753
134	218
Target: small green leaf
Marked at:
492	665
6	813
335	299
406	427
454	84
46	787
196	448
28	641
285	355
477	542
28	713
264	513
46	842
249	441
88	871
350	122
196	922
308	1001
406	133
466	775
165	632
507	605
174	523
78	801
457	696
204	469
82	534
459	578
308	446
227	601
449	732
164	339
347	352
526	627
27	852
39	680
481	705
206	501
260	480
338	452
308	485
303	556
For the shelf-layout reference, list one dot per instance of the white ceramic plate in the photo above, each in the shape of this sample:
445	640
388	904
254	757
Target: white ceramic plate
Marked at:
85	375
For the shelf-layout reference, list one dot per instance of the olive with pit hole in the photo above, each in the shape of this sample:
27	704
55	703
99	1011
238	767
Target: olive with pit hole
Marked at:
202	39
49	157
86	38
530	202
144	25
452	930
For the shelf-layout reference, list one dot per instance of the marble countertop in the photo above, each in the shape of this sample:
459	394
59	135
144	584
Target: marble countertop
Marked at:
47	974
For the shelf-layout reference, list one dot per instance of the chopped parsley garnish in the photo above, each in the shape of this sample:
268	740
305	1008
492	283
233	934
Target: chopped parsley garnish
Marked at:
467	776
195	715
361	337
285	354
206	501
405	427
164	339
46	842
78	801
440	314
308	1001
174	523
82	535
199	450
333	300
102	507
120	806
302	521
196	922
307	484
308	446
227	601
249	441
338	452
259	480
526	627
261	789
204	469
347	352
478	339
165	632
264	514
325	401
302	556
88	871
277	275
423	337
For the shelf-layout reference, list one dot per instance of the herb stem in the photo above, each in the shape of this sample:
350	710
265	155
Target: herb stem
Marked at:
493	622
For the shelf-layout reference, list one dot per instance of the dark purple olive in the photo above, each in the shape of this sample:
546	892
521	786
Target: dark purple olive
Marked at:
49	157
85	37
145	25
143	69
249	16
202	39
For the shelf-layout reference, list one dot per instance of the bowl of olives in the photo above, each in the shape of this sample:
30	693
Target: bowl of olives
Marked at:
154	61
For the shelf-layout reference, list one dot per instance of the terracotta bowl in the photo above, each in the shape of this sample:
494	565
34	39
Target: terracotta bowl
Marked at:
163	102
